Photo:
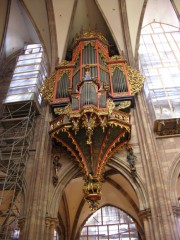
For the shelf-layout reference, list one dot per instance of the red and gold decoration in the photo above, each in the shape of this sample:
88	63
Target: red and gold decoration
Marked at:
91	97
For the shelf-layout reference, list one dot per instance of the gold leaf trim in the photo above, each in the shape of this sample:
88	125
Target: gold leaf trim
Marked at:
47	88
92	43
114	66
62	72
136	79
91	34
64	63
102	54
117	58
123	105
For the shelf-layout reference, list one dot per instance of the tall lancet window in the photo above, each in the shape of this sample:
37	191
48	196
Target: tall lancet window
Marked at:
29	73
160	62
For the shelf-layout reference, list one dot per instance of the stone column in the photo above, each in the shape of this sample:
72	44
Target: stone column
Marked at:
51	223
162	225
145	215
38	179
176	213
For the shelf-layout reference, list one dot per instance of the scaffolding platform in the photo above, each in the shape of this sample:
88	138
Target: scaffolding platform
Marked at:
16	130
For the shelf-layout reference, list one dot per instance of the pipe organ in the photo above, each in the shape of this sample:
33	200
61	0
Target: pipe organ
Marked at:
90	72
91	97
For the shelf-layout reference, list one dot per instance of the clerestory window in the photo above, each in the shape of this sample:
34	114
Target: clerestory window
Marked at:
159	56
29	73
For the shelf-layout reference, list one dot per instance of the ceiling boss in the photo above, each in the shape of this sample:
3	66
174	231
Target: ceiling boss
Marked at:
91	97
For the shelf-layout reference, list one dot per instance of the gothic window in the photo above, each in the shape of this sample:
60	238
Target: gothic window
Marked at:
29	73
109	223
159	55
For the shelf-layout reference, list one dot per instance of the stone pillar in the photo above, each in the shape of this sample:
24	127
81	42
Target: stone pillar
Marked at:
176	213
38	179
51	223
154	175
145	215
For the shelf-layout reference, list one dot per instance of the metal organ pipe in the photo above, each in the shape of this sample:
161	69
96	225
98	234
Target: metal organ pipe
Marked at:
62	88
88	94
119	81
76	79
91	54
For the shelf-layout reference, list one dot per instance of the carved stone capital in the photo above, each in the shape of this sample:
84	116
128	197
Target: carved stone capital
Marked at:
145	214
176	211
51	221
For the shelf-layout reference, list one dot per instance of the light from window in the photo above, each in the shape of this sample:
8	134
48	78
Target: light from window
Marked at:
29	73
109	223
159	56
56	236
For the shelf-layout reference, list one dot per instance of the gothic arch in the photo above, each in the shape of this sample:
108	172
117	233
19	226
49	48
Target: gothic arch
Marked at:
121	167
139	229
174	173
137	183
71	170
38	31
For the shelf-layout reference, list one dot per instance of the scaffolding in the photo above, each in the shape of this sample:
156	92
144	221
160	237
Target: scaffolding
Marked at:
16	130
20	106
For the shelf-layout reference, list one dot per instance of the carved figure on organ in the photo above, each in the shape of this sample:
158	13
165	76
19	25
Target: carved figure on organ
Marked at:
87	73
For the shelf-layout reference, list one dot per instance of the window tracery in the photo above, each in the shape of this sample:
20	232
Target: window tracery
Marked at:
109	223
159	55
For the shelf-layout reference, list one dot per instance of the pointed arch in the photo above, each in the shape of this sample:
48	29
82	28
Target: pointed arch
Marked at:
111	218
116	164
136	58
174	173
70	171
137	183
176	7
44	40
